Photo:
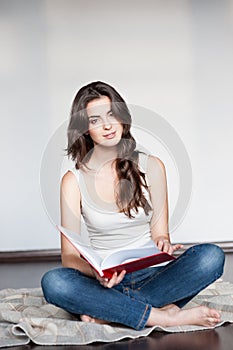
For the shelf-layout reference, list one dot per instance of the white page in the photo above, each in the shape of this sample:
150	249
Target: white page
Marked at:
124	255
85	249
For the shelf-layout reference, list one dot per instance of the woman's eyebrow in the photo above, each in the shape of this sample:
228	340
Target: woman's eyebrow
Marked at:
93	116
98	116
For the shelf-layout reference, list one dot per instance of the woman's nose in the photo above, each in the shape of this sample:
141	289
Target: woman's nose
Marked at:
107	124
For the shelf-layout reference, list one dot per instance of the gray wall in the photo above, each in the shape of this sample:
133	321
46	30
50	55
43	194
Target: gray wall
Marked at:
172	57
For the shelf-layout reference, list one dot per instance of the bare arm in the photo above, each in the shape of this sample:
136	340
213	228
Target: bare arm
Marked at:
158	192
70	199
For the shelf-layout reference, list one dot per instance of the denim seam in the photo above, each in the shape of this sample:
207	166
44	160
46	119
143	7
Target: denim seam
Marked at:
143	316
147	307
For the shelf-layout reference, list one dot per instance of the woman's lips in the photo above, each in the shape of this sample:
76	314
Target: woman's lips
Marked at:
110	135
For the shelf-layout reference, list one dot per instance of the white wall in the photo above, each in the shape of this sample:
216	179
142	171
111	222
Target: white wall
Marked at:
172	57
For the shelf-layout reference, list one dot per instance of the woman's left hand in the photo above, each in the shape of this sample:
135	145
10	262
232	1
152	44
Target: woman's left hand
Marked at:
110	282
165	246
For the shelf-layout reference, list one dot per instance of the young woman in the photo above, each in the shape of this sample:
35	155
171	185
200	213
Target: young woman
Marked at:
122	196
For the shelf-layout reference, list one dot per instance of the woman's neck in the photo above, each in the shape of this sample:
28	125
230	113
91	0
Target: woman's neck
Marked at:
102	156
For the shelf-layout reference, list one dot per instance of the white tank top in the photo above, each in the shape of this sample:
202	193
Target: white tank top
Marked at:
111	230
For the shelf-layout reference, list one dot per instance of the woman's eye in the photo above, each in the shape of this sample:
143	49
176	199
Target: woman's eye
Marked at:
111	115
93	121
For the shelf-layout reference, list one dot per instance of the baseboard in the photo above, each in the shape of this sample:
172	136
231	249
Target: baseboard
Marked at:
29	256
226	246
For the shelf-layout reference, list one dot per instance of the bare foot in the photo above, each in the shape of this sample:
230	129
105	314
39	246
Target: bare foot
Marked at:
172	315
86	318
170	307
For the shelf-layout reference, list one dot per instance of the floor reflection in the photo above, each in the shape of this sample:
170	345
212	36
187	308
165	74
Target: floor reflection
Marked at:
220	338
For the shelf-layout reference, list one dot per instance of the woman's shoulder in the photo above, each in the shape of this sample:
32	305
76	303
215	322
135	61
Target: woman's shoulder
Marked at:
68	176
149	162
156	172
154	161
69	180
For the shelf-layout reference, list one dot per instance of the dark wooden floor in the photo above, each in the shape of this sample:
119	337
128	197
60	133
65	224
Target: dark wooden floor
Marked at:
220	338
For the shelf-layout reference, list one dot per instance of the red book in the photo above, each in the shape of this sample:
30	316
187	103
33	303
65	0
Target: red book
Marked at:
132	259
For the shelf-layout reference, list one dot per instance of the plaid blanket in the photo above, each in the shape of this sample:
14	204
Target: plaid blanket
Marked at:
25	316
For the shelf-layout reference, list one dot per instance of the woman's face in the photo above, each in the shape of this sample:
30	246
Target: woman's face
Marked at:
104	128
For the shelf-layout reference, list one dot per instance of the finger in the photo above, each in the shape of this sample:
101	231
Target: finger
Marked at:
171	250
112	281
166	246
160	244
103	281
121	276
116	279
177	246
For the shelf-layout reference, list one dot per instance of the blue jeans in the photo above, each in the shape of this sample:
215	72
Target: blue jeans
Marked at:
130	302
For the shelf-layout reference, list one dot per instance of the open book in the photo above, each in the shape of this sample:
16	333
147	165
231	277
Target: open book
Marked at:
132	259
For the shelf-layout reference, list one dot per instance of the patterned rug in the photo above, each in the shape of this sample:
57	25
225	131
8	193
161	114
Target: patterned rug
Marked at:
25	316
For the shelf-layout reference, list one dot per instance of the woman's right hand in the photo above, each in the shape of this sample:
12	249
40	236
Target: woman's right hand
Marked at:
110	282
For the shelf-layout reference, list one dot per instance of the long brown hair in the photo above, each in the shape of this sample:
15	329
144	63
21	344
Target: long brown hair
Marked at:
129	193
